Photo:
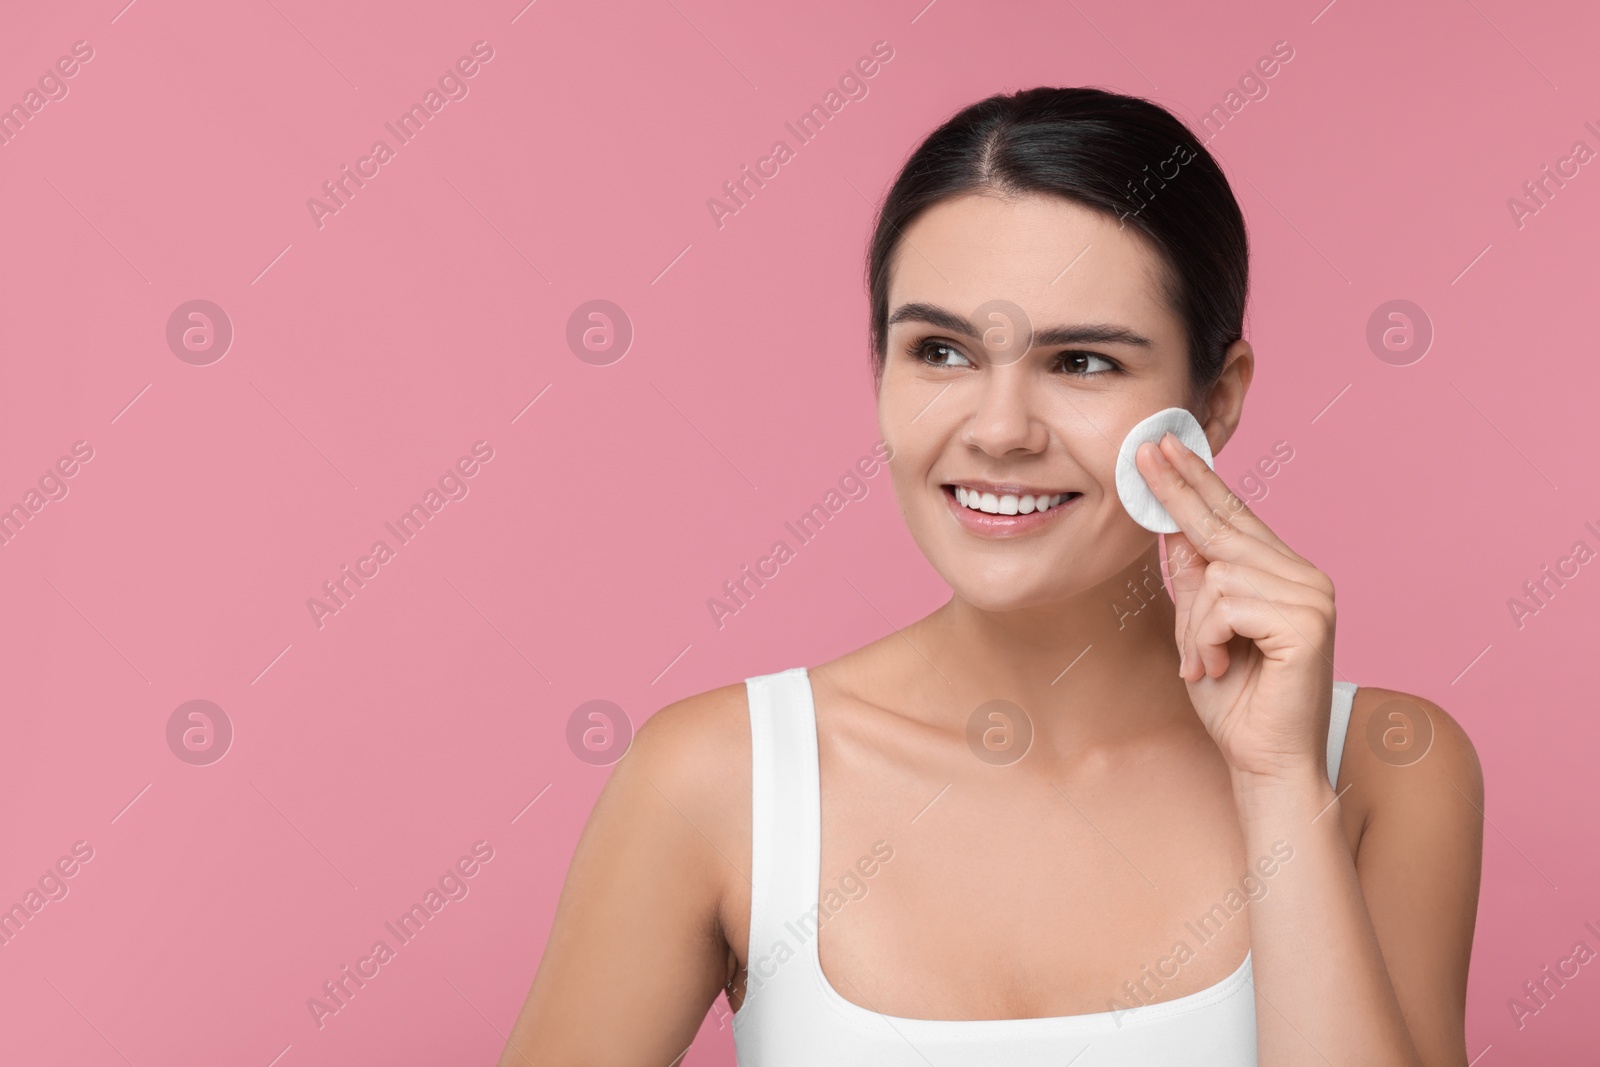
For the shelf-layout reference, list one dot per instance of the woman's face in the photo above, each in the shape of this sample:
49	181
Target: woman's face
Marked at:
967	402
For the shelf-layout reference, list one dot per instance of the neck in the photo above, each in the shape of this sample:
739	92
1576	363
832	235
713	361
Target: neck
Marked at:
1098	665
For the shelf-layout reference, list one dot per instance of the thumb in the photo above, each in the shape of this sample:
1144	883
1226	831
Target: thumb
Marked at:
1184	569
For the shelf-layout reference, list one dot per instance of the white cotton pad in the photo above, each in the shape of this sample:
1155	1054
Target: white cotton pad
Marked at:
1136	495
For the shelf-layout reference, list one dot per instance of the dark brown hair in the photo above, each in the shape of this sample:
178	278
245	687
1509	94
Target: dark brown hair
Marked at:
1105	151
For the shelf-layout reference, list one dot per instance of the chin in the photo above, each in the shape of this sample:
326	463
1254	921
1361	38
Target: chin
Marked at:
1009	588
1038	580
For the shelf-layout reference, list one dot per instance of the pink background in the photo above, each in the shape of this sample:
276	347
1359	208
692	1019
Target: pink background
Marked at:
370	353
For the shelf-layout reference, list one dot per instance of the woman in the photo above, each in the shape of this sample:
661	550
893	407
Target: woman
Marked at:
1068	814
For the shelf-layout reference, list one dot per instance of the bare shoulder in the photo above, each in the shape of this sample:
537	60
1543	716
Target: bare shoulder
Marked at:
694	755
1404	755
641	918
1412	809
1394	731
679	798
700	744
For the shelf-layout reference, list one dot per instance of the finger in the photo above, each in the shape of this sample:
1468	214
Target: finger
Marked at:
1218	501
1208	529
1185	569
1219	522
1275	629
1222	578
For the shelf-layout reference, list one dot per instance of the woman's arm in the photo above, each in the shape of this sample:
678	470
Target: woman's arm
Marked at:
636	953
1357	959
1363	960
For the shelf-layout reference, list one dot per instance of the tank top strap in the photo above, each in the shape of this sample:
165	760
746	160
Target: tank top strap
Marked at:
1338	725
785	806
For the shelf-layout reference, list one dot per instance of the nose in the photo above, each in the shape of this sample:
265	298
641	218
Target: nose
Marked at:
1004	419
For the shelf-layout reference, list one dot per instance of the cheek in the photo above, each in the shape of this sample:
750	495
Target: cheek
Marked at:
911	427
1092	444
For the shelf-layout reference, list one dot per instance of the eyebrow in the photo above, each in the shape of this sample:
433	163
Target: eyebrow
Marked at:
1095	333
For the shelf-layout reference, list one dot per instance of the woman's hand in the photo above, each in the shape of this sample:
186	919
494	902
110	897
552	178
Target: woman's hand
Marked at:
1255	622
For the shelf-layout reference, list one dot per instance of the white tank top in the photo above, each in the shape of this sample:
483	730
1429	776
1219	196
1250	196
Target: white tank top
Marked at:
793	1017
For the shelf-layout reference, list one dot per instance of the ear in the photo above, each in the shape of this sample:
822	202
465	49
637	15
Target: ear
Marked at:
1223	405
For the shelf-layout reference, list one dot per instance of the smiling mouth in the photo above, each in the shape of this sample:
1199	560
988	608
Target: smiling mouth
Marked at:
1006	504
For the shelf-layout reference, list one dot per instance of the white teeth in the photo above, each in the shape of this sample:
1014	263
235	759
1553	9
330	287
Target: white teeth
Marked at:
992	504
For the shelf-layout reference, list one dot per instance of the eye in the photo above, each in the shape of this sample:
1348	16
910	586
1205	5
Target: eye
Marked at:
930	351
937	353
1078	365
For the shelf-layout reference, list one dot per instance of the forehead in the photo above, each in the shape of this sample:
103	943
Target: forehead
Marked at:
1060	261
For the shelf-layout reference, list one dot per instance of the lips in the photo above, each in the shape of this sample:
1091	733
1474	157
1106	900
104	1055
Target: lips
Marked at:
980	509
1004	501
